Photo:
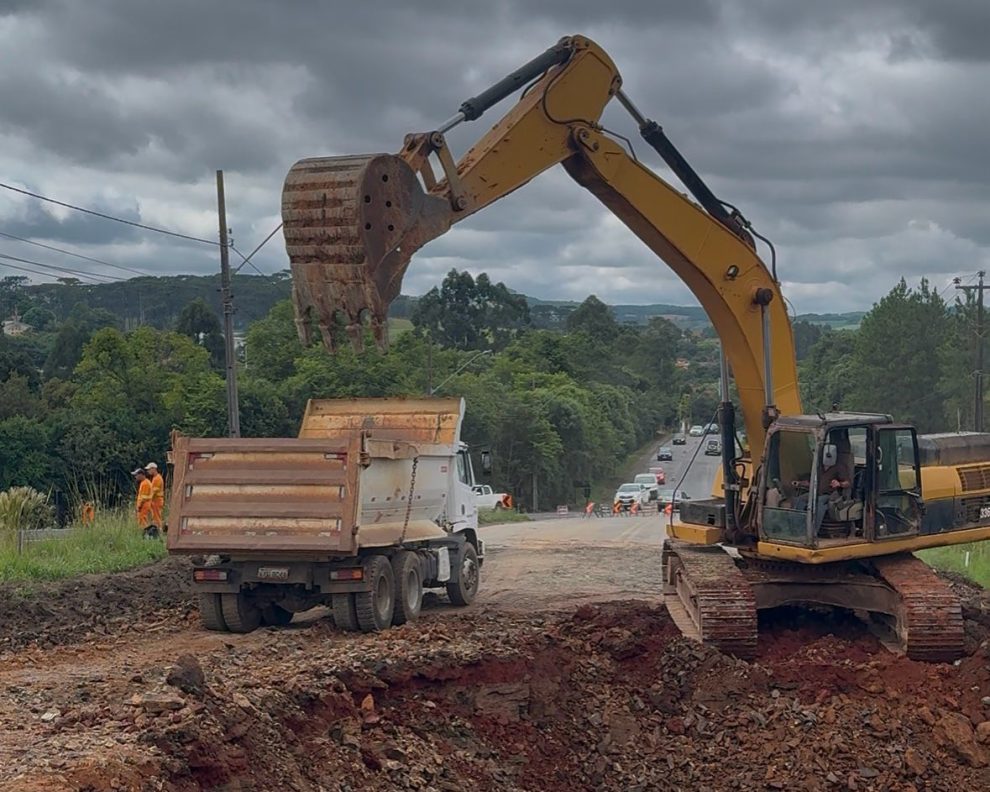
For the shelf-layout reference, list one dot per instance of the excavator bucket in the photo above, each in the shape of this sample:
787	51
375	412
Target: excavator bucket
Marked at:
351	225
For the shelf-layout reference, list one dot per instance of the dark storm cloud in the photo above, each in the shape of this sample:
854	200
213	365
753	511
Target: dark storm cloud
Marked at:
852	131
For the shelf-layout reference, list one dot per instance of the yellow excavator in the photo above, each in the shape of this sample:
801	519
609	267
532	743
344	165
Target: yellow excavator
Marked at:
829	508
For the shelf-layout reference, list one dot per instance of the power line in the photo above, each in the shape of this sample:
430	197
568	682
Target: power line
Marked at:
28	269
54	268
108	217
247	259
70	253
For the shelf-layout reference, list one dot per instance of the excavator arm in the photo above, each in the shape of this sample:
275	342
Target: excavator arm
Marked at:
352	223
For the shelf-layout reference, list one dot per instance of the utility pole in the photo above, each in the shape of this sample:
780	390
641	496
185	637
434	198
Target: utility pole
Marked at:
978	399
233	411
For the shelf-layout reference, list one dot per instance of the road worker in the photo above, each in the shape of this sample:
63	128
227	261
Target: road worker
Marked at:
157	494
143	503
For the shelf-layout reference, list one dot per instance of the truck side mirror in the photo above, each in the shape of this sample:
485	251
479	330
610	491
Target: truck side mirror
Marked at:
486	463
830	455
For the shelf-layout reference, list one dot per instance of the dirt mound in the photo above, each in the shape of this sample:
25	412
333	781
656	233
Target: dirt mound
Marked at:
53	613
605	697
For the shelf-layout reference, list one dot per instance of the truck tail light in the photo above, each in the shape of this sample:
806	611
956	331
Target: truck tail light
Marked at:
347	574
201	575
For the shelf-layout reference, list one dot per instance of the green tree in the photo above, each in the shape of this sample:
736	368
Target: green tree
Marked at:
465	313
39	318
24	457
827	374
594	318
18	398
198	322
898	360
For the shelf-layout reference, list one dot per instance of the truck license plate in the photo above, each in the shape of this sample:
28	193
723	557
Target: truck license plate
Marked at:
273	573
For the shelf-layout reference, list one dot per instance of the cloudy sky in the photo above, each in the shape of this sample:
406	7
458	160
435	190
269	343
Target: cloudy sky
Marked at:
852	133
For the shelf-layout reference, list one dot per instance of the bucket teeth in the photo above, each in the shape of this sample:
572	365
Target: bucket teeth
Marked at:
351	224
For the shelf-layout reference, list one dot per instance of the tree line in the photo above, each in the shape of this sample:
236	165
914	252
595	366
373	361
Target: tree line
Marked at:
87	400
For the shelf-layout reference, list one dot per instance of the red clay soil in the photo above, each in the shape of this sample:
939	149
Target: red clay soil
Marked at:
602	697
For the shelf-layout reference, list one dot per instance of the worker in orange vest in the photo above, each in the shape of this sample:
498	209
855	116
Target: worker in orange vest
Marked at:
143	502
157	494
87	513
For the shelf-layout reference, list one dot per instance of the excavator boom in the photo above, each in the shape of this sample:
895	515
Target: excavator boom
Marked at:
352	223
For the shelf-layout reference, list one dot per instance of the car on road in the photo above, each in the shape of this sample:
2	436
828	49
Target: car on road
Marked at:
630	493
664	453
713	447
697	431
650	480
666	495
711	429
486	498
679	439
658	471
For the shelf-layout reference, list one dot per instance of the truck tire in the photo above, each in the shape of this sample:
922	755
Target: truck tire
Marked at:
463	590
274	615
375	608
344	615
211	612
240	613
408	587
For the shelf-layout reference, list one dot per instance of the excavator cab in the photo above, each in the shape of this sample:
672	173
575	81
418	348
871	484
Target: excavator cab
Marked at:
841	478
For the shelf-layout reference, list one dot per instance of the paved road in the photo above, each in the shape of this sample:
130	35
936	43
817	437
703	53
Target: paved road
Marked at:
612	531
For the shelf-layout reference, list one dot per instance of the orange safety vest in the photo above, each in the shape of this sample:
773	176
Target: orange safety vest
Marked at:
144	503
157	499
88	513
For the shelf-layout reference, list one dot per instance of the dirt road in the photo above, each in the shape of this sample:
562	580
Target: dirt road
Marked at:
565	674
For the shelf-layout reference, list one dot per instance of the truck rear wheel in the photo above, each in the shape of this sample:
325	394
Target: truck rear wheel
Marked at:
408	587
240	612
375	608
211	612
463	590
344	614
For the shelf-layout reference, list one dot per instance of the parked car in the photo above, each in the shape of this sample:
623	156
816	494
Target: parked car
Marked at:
666	495
658	471
650	480
630	493
713	447
664	454
487	498
679	439
697	431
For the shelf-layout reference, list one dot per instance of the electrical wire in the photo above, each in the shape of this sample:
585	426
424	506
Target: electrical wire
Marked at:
61	269
70	253
247	259
109	217
37	271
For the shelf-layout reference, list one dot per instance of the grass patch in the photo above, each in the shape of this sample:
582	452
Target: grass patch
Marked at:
112	543
492	517
971	560
396	327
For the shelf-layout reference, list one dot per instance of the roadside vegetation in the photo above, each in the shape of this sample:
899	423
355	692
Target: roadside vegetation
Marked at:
493	517
111	543
969	560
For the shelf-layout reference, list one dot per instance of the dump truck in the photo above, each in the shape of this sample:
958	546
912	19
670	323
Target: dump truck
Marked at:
371	504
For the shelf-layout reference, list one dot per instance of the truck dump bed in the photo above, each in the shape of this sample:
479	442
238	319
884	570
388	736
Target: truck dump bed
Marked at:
309	495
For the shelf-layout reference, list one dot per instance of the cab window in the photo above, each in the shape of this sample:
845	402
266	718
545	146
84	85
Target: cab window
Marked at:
462	468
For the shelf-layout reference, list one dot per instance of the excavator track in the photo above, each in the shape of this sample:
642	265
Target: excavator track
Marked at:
709	598
929	624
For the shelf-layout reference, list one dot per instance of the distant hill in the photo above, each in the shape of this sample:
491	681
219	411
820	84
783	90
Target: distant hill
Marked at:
157	301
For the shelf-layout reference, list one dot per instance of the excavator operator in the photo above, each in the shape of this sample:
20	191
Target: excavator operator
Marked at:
833	479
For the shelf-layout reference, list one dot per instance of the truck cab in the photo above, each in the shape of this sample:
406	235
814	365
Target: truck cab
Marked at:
838	479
